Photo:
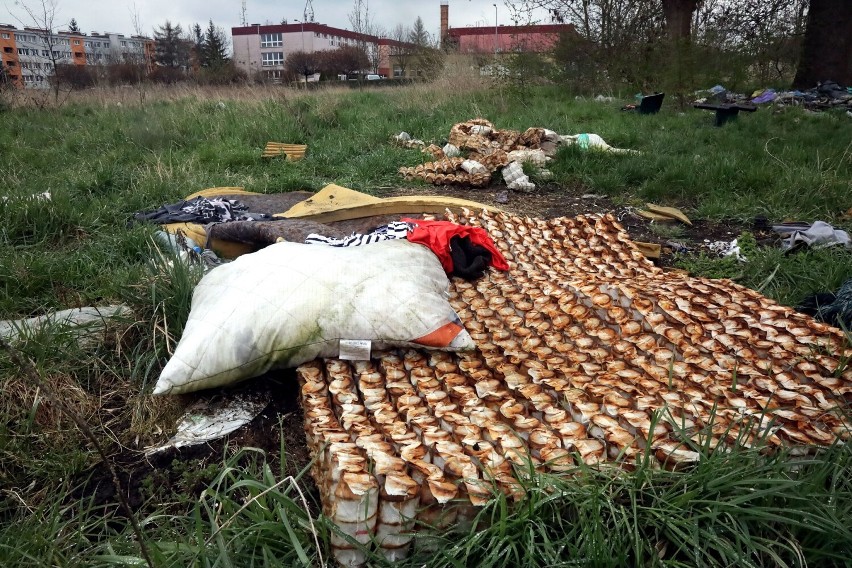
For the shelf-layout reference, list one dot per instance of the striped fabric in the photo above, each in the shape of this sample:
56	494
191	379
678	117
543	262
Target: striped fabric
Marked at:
391	231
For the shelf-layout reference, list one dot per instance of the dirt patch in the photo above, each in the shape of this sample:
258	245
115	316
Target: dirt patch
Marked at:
178	476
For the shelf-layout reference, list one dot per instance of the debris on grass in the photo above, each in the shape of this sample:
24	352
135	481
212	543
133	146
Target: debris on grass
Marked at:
489	149
213	417
587	355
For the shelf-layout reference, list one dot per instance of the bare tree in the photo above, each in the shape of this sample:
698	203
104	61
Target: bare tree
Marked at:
401	51
43	18
139	64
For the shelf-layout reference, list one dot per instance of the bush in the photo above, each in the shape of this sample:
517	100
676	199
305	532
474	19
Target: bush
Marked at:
223	74
167	75
74	76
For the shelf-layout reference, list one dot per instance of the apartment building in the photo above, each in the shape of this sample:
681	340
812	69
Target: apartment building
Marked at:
262	50
28	54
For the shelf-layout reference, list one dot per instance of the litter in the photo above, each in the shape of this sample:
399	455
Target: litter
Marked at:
516	179
593	142
87	325
727	248
817	235
833	309
405	140
211	418
292	152
649	104
660	213
451	151
826	95
495	149
764	96
474	168
585	353
725	112
45	196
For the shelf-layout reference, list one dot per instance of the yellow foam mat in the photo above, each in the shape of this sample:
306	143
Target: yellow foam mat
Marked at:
336	203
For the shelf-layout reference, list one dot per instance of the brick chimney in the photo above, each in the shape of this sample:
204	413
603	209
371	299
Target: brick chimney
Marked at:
445	21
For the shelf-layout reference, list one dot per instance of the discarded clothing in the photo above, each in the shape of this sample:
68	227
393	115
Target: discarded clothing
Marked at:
833	309
588	141
200	210
470	261
438	235
817	235
389	232
766	96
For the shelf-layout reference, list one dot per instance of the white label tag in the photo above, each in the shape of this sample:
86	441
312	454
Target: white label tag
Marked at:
355	349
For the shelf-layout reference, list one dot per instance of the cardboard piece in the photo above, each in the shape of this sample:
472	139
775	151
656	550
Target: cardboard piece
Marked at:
293	152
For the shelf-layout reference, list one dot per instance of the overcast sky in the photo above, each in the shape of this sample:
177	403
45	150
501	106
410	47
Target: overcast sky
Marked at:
115	15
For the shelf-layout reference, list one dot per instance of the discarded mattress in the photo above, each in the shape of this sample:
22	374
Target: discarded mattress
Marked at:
586	352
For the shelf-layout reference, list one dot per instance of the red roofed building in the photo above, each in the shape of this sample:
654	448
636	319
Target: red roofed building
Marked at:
499	39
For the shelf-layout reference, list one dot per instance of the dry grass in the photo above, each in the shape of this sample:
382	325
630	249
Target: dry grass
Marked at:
458	76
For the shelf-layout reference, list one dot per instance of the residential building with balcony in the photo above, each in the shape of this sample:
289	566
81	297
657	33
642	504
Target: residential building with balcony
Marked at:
29	54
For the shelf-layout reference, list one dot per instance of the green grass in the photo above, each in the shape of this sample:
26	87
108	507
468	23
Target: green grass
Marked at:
102	162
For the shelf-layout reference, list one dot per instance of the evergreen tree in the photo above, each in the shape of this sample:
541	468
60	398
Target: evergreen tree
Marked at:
73	27
198	36
171	49
214	51
418	35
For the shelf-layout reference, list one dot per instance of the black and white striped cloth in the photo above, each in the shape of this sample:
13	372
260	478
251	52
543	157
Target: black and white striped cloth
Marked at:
391	231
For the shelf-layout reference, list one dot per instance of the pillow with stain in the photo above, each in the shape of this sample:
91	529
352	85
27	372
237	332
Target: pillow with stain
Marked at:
290	303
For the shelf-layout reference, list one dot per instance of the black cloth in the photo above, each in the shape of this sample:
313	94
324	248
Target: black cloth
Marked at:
200	210
470	260
833	309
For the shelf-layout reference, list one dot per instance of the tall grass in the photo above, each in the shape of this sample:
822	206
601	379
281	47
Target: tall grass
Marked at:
733	508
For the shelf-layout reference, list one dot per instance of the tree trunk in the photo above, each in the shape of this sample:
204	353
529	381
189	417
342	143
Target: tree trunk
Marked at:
827	48
678	15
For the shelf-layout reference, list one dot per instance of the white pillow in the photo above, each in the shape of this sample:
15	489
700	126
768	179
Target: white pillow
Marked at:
290	303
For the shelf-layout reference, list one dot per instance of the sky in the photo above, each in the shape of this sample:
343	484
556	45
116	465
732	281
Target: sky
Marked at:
116	15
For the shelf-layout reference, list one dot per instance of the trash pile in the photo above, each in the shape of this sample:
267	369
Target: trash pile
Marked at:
432	377
476	150
585	353
825	95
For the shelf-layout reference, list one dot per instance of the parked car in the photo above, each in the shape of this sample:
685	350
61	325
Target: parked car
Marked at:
374	77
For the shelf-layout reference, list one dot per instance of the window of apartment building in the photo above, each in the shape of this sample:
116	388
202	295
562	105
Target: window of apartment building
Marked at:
271	40
78	54
272	58
274	74
45	53
10	63
76	42
123	44
8	50
4	35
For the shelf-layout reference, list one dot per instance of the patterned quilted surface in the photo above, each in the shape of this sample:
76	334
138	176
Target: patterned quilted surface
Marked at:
585	352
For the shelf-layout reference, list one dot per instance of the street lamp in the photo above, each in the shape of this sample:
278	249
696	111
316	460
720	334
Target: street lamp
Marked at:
495	29
303	33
